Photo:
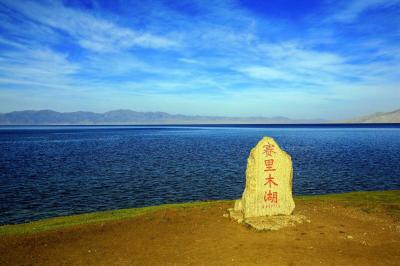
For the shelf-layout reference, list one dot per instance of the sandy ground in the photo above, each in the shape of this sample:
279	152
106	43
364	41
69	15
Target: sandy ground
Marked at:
334	235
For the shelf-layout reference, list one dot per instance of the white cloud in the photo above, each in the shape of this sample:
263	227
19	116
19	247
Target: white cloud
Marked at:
352	9
297	67
36	66
295	55
10	43
189	61
222	51
91	32
265	73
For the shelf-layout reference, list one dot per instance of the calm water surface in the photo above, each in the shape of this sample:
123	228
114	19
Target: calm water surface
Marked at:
53	171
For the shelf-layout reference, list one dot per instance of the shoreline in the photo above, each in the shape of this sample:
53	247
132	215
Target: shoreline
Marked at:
357	228
384	197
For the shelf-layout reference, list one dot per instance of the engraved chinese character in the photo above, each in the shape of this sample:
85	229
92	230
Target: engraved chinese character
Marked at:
268	165
271	196
269	149
270	181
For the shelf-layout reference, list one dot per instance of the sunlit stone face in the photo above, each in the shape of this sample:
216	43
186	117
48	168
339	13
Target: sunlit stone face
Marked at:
269	176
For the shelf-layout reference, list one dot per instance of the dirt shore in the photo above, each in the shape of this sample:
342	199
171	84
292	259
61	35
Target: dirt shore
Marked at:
335	234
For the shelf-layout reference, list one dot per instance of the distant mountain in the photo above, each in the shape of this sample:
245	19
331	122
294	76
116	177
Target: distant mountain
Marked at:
380	117
129	117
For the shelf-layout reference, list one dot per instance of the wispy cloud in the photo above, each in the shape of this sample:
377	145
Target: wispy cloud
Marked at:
40	67
350	10
91	32
224	58
266	73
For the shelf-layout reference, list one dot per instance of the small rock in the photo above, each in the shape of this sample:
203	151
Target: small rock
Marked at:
89	251
308	221
349	237
225	215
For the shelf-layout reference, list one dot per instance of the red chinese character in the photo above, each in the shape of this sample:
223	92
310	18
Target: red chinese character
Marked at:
271	196
269	149
270	180
268	164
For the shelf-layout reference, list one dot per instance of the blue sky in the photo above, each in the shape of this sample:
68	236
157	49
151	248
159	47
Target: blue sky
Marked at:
301	59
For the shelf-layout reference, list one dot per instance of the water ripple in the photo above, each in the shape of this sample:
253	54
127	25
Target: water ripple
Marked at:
53	171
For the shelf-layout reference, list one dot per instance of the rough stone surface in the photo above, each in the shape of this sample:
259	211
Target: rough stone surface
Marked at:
268	191
236	215
274	222
267	223
269	177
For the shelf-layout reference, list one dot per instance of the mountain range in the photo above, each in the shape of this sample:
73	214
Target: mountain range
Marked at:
380	117
129	117
125	117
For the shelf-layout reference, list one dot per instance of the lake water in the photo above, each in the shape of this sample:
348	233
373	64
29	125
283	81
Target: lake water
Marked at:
62	170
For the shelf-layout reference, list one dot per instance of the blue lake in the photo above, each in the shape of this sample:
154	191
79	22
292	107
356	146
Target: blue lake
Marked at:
62	170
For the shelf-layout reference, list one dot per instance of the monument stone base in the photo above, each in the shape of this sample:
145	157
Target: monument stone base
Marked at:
267	223
267	201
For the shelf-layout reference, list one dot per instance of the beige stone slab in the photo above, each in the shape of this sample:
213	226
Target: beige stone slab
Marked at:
267	223
269	175
272	223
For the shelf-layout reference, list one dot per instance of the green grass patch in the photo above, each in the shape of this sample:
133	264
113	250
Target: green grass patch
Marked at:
96	217
377	197
368	201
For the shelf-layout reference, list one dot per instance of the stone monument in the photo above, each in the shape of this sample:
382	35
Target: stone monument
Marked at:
267	201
